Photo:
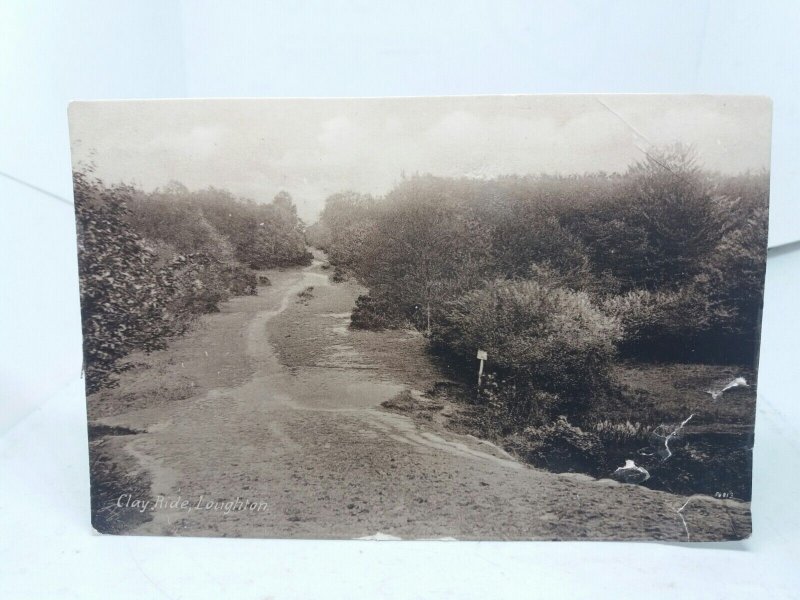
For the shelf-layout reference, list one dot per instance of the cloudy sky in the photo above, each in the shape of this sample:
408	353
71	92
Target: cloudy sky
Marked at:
313	148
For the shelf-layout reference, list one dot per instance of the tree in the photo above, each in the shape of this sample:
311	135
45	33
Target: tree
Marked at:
424	249
283	202
150	263
347	219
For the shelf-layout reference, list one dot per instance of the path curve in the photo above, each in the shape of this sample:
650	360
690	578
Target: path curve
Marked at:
304	444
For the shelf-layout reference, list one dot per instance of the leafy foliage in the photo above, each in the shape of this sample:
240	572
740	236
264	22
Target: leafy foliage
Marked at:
150	263
261	236
373	314
121	302
553	337
560	446
656	225
345	223
555	275
658	324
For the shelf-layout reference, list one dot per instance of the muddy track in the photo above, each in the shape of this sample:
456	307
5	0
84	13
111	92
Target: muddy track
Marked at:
304	444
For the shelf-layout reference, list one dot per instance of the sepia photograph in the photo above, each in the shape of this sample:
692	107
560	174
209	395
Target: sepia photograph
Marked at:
439	318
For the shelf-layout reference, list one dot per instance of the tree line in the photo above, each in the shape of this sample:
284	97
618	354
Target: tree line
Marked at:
150	263
558	276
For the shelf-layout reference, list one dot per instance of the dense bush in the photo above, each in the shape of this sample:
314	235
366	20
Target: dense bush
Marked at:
373	314
262	235
661	324
560	446
345	223
422	248
554	336
151	263
198	267
122	303
655	226
664	262
318	236
514	402
171	217
197	283
733	274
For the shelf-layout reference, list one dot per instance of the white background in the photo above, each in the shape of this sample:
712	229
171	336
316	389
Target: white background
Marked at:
55	52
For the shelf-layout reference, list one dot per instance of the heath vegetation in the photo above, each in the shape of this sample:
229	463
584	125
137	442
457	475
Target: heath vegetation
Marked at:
562	279
150	263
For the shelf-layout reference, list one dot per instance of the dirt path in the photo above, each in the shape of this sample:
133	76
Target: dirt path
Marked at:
284	414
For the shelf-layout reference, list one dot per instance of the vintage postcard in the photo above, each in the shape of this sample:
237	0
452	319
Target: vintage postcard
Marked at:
492	318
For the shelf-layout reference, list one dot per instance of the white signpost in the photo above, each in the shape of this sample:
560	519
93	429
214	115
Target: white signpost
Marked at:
482	356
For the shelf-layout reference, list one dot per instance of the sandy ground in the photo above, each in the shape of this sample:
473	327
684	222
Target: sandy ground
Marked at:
276	403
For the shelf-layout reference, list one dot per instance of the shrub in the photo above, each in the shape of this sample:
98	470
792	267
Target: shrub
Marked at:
306	294
150	263
318	236
660	324
657	225
240	280
526	236
192	284
122	304
172	218
514	403
262	236
560	446
554	337
370	313
344	225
